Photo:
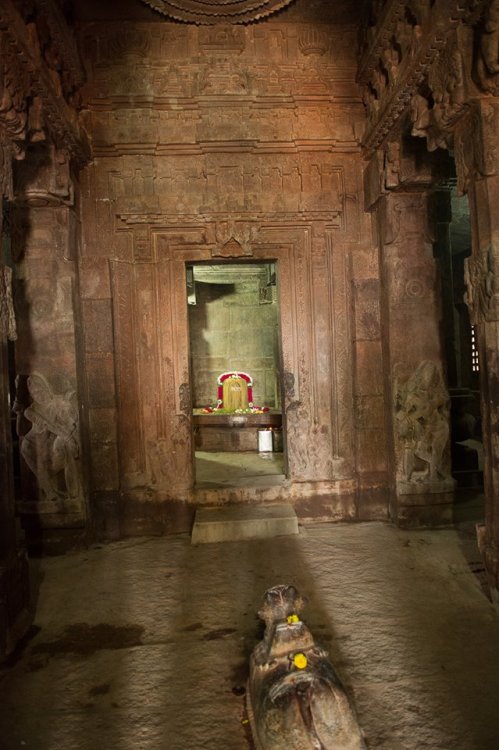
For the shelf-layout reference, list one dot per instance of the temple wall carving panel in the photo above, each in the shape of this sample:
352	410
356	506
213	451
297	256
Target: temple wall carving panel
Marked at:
220	143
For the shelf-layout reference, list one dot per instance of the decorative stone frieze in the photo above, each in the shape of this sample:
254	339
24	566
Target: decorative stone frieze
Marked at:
217	11
33	84
413	60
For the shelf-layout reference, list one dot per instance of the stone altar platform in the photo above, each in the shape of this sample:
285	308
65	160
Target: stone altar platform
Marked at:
232	432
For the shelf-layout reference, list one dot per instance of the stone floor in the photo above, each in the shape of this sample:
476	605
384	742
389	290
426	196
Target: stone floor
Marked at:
238	469
144	644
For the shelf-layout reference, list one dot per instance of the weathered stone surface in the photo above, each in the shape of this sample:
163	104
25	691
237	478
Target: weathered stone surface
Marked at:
415	682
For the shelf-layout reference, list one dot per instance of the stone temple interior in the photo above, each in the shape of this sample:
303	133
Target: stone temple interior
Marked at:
262	232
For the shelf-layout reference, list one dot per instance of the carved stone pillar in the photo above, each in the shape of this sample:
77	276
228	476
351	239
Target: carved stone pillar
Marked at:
44	248
416	397
478	171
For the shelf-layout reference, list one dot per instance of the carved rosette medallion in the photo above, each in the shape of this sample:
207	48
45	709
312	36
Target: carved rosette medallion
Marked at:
217	11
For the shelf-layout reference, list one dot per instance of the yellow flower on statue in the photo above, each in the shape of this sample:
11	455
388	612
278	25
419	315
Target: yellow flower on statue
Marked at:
300	661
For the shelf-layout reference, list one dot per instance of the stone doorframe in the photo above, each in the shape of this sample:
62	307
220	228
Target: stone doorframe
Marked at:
150	318
165	279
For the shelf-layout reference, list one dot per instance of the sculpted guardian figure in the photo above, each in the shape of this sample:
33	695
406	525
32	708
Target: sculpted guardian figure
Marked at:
487	64
422	418
50	448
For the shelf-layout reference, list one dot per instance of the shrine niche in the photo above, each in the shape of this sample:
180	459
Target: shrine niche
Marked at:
234	320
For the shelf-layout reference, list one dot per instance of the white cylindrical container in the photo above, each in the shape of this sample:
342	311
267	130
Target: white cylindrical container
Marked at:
264	441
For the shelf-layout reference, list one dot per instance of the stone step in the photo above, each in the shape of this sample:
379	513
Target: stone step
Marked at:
236	522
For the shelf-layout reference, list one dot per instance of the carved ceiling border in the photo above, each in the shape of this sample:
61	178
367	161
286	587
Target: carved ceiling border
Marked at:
206	12
440	21
59	118
371	49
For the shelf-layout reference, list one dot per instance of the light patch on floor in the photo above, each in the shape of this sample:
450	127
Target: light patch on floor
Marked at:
238	469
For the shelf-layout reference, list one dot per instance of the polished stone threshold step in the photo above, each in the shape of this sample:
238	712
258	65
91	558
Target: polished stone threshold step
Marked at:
237	522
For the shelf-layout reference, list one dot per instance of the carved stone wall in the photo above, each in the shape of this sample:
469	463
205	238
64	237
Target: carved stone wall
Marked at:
212	143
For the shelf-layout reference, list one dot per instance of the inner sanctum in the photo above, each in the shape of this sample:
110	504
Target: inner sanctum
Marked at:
236	373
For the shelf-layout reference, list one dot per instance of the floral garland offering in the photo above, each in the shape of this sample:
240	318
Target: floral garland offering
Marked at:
220	409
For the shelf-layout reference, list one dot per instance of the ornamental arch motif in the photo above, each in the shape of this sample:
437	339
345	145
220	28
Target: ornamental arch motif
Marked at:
206	12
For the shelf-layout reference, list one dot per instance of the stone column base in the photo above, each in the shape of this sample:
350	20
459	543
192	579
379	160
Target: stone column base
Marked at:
424	504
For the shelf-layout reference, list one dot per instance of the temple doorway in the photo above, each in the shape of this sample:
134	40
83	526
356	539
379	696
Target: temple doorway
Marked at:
235	368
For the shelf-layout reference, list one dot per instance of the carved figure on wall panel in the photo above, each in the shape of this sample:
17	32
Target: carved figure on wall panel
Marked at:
51	447
7	315
469	152
309	445
390	58
479	278
14	91
222	38
392	164
446	81
423	123
169	462
487	63
6	156
422	425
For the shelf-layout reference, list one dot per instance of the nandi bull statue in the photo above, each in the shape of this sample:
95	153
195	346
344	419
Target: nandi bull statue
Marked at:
295	699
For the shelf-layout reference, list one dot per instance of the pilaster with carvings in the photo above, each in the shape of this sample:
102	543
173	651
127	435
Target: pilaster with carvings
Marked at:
415	68
416	398
39	77
46	403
